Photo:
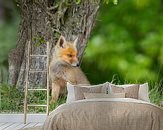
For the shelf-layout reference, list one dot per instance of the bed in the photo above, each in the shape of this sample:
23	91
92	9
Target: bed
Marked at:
106	114
106	107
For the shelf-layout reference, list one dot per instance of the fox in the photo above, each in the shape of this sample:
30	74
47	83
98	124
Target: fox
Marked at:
64	67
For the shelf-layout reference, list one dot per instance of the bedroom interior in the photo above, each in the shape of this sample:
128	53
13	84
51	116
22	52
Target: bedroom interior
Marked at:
123	60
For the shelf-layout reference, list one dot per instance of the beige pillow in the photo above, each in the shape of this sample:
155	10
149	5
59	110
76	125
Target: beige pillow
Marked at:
143	91
101	95
79	91
132	91
76	92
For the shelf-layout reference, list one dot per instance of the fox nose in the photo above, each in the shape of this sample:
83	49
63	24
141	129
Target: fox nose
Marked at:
77	64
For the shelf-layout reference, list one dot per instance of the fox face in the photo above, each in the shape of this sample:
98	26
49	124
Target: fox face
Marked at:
67	51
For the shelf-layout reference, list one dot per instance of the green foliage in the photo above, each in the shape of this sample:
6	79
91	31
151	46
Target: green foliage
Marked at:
12	100
56	34
141	3
113	1
127	46
104	1
78	1
38	40
8	36
156	92
127	41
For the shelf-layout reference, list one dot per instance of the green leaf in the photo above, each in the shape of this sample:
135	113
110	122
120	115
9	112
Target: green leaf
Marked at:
38	40
78	1
115	2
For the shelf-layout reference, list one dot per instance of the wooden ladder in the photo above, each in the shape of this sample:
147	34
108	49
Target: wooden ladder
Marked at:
28	70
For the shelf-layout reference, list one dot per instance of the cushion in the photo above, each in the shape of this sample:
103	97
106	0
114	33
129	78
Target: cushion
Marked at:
143	91
132	91
101	95
76	92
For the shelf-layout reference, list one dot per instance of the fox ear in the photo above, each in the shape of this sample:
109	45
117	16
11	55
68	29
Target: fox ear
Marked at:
75	42
61	41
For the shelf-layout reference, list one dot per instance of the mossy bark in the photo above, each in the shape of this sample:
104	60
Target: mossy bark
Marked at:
46	20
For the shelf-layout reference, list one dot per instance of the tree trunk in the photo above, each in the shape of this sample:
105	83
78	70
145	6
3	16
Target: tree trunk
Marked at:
46	20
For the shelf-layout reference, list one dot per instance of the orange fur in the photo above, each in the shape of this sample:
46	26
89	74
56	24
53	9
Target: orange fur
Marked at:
69	55
64	67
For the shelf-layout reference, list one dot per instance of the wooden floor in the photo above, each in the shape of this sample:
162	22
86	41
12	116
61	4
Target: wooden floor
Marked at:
17	126
15	121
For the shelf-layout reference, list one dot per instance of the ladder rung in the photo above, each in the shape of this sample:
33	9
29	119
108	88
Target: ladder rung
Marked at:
35	105
37	71
33	89
28	70
38	55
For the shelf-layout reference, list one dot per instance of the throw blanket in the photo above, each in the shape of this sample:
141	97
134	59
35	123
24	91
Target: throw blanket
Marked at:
106	114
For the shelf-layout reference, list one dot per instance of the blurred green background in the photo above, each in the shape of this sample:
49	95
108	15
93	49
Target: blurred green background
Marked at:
126	45
9	22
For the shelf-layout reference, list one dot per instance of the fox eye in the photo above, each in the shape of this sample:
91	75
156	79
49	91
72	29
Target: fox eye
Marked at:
69	55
